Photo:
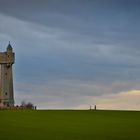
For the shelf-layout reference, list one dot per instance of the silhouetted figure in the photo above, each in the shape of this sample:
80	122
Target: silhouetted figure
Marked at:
95	107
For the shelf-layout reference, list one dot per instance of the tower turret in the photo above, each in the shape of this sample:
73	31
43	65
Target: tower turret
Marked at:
9	48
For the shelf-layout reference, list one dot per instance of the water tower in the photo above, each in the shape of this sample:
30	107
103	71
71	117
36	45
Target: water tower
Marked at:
7	59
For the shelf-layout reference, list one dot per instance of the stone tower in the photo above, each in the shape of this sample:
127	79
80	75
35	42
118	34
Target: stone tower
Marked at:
6	78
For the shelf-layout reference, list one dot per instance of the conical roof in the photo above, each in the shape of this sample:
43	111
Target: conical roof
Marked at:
9	47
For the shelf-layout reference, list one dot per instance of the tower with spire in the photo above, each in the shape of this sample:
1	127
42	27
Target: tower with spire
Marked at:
7	59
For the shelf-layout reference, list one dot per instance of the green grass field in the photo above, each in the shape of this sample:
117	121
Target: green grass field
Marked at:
69	125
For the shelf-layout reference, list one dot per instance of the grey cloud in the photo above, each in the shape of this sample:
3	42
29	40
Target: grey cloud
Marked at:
104	25
63	58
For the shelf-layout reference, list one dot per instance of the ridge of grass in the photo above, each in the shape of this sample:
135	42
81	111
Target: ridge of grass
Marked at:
69	125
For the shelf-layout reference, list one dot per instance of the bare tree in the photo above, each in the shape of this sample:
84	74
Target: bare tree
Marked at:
28	105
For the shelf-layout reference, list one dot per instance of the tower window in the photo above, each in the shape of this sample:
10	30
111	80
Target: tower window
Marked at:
5	93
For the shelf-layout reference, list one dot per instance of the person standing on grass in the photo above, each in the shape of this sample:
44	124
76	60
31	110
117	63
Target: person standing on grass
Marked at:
95	107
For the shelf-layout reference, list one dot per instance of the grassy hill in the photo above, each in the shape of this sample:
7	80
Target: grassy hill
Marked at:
69	125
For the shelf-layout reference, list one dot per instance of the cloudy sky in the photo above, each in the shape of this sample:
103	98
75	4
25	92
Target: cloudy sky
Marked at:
74	53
